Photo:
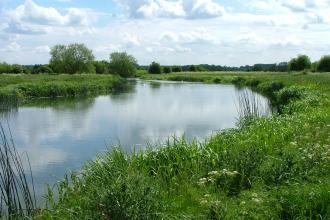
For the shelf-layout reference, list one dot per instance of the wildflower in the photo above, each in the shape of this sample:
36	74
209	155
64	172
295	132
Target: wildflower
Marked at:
213	173
203	202
202	181
207	195
256	200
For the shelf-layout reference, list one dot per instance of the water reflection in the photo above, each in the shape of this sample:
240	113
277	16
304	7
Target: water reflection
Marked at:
60	135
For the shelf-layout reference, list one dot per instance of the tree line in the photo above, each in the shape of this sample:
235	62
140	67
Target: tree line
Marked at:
77	58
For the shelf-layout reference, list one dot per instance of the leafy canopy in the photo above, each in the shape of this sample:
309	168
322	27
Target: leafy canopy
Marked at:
123	64
74	58
300	63
155	68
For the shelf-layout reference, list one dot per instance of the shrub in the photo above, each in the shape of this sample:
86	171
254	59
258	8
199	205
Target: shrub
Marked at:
324	64
270	88
253	82
122	64
45	69
155	68
101	67
176	69
192	68
239	81
288	94
167	69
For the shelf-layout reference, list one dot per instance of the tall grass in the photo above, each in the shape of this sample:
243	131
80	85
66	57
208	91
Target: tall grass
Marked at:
21	88
16	184
250	105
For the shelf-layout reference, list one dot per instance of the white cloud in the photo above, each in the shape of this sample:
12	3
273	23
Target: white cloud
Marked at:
195	9
204	9
31	18
174	31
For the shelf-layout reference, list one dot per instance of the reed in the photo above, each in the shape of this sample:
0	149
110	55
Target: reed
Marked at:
16	183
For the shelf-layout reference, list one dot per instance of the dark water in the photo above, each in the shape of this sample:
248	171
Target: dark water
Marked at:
60	135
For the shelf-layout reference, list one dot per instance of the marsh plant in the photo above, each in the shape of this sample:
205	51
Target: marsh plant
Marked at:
17	198
250	105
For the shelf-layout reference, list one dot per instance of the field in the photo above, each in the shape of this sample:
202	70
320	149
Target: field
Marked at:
267	168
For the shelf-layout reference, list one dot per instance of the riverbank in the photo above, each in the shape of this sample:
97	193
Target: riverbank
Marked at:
16	89
267	168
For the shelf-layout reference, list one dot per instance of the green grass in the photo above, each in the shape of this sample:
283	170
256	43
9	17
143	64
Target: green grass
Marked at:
267	168
15	89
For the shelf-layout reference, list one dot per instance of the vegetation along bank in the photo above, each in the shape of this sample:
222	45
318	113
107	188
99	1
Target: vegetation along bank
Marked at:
15	89
267	168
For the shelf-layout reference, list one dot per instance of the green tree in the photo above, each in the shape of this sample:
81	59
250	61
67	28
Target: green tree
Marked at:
192	68
5	68
74	58
167	69
122	64
176	69
155	68
324	64
300	63
101	67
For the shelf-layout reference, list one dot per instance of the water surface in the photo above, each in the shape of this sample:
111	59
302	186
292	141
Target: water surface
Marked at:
60	135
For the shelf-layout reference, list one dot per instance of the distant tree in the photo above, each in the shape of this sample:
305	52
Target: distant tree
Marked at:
200	68
155	68
16	69
74	58
167	69
282	67
192	68
122	64
45	69
102	67
5	68
176	69
324	64
300	63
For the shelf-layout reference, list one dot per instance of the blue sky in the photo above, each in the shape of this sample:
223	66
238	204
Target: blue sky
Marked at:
226	32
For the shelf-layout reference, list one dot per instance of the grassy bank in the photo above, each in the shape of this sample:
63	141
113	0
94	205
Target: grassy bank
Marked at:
267	168
15	89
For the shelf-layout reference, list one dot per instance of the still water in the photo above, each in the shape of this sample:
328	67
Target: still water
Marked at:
61	135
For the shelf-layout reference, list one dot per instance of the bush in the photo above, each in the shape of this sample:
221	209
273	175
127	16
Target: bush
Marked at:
324	64
167	69
253	82
45	69
123	64
192	68
155	68
270	88
176	69
300	63
101	67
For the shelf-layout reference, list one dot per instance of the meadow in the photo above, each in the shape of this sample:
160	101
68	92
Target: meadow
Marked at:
273	167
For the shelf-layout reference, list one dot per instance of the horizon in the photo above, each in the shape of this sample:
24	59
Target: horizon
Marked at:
171	32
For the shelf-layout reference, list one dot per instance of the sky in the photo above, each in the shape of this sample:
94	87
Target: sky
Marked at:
172	32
